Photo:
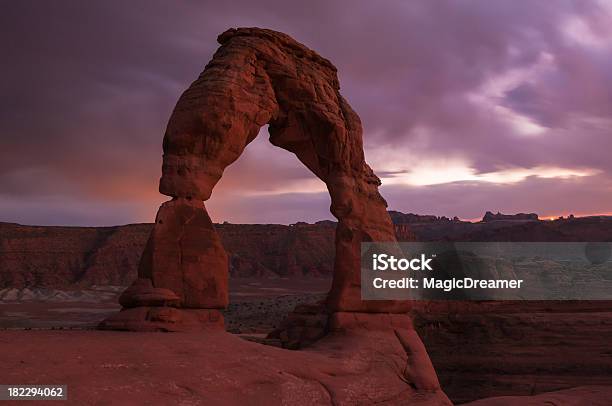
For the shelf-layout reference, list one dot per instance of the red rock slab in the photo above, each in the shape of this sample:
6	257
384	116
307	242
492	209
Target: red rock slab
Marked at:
356	367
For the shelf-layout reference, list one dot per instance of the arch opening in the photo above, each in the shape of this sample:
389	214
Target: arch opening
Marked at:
267	185
278	260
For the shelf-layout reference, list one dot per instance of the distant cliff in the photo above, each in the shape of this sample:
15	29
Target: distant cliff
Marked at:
85	256
69	256
62	257
410	218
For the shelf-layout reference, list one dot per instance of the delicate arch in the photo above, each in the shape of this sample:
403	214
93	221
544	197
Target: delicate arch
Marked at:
256	77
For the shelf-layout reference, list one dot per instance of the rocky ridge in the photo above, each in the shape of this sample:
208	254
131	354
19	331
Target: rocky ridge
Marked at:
81	257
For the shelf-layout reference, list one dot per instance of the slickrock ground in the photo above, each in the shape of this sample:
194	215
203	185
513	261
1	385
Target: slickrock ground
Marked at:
217	368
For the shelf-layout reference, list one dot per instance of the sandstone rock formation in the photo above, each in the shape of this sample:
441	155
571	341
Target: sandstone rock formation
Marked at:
184	254
182	276
260	77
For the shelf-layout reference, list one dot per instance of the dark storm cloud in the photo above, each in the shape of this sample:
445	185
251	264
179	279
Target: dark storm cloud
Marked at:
87	88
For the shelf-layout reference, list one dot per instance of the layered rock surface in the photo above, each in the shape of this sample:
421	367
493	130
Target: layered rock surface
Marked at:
69	257
80	257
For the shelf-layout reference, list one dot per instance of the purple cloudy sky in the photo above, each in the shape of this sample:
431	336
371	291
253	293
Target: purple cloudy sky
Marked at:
467	106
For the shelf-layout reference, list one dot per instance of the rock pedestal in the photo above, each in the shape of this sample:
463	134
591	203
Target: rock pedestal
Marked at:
182	277
185	255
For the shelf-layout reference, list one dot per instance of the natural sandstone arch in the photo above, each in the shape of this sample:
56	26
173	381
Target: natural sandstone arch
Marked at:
258	77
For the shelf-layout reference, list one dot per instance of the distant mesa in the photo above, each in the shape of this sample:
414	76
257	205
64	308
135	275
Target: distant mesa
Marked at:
489	216
326	223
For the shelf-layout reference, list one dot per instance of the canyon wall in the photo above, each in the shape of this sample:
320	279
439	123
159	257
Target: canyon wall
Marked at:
64	257
76	257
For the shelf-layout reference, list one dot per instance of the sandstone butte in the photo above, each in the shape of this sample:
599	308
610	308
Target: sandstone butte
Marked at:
260	77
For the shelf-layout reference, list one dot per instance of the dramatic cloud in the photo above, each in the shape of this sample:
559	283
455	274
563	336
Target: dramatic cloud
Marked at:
466	106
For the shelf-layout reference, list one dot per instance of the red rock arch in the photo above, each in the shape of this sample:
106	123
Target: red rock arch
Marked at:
258	77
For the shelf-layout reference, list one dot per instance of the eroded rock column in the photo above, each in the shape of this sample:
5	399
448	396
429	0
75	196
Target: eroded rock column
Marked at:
182	277
184	254
362	217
